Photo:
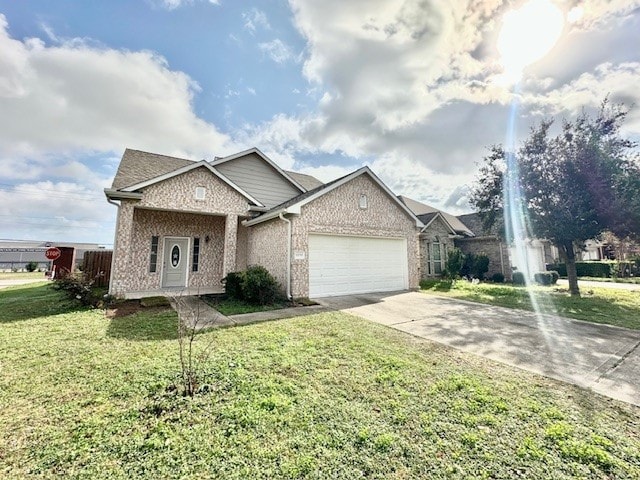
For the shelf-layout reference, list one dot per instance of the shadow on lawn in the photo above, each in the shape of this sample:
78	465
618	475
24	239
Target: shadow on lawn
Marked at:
152	324
29	301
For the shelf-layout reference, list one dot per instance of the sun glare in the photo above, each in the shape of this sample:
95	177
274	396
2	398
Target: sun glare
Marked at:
528	33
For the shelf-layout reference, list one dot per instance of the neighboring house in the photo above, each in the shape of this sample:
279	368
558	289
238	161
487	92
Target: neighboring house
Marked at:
183	225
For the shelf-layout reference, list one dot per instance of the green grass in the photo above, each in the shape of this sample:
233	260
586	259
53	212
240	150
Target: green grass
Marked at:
321	396
230	306
633	280
21	275
598	305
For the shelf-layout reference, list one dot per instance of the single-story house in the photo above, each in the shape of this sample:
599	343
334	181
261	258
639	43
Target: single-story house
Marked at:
184	225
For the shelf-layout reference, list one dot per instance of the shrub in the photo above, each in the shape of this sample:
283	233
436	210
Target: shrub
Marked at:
497	278
518	278
233	285
31	266
546	278
586	269
80	288
259	287
455	261
480	266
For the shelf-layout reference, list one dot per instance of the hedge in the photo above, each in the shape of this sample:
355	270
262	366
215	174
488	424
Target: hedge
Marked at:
586	269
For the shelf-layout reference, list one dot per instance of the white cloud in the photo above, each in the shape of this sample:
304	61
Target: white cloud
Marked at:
173	4
277	50
72	97
589	14
254	19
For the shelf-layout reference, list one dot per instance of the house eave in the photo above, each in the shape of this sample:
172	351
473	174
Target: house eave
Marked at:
120	195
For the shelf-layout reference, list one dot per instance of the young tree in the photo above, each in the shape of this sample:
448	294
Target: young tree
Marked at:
569	188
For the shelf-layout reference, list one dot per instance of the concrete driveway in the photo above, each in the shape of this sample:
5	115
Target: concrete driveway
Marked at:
603	358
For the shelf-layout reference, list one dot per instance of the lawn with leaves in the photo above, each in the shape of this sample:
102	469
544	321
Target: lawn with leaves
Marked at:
321	396
599	305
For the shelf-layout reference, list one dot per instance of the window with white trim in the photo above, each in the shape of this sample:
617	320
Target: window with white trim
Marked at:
201	193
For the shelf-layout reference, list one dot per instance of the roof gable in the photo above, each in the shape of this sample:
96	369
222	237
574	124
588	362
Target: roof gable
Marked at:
295	204
422	209
188	168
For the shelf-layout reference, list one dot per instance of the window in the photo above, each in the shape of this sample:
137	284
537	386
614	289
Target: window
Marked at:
436	257
363	201
153	260
196	254
201	192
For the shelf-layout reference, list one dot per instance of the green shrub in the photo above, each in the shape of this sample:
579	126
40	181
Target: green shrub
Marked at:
587	269
546	278
233	285
455	261
80	288
31	266
518	278
480	266
497	278
259	287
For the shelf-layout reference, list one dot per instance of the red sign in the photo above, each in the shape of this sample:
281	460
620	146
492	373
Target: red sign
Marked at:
52	253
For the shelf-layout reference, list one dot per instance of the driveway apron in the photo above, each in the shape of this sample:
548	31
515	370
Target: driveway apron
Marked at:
603	358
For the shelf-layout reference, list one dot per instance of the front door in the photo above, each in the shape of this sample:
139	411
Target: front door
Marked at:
174	263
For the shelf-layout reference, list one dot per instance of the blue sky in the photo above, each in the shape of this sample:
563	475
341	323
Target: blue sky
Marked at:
415	89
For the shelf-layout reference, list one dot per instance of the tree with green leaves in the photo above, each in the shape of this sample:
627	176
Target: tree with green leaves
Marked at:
566	188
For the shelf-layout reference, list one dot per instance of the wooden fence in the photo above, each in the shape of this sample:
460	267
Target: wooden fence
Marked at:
97	265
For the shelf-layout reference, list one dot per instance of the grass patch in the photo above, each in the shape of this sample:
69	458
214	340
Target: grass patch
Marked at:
21	275
632	280
320	396
599	305
230	306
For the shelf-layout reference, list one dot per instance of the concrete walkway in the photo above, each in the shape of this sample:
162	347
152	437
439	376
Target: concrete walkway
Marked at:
603	358
195	312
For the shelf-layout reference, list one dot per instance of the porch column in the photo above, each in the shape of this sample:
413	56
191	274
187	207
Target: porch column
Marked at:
120	271
230	244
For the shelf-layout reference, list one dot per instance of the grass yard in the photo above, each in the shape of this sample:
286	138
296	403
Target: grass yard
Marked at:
21	275
632	280
321	396
230	306
598	305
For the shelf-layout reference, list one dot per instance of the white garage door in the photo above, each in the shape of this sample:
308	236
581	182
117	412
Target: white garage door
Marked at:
342	265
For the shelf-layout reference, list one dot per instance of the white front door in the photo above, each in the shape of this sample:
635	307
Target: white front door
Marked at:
174	262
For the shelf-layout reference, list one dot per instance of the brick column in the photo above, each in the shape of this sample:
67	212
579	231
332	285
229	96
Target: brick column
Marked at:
230	244
120	268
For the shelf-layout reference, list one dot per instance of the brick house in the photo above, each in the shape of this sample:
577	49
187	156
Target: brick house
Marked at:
185	224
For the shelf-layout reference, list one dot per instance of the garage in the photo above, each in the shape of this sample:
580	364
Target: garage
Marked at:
345	265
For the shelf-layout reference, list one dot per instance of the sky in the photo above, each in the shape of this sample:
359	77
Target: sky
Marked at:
416	89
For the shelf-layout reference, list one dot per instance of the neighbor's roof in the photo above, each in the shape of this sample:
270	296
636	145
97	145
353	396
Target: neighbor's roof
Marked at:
474	222
137	166
428	212
307	181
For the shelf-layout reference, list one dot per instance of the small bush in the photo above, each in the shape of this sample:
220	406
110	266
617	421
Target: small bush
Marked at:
546	278
31	266
518	278
480	266
455	261
233	285
80	288
259	287
497	278
587	269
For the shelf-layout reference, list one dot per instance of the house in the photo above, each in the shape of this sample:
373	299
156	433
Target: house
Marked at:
184	225
16	254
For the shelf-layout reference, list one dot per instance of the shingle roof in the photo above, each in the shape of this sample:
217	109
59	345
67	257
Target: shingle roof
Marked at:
137	166
307	181
422	209
474	222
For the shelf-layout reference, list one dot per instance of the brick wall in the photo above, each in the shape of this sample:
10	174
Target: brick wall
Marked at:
497	252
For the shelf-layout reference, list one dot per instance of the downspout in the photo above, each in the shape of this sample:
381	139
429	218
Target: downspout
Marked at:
115	242
501	257
281	216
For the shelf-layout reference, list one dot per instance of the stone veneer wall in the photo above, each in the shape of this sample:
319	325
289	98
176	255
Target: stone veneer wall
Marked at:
436	229
241	252
338	212
497	252
267	246
178	193
147	223
132	247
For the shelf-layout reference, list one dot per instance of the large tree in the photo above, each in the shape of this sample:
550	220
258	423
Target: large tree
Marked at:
566	188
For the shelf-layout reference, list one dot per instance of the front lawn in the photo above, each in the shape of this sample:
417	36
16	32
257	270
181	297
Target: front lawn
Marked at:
21	275
598	305
232	306
321	396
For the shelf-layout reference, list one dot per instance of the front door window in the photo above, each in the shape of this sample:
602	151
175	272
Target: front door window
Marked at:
175	256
